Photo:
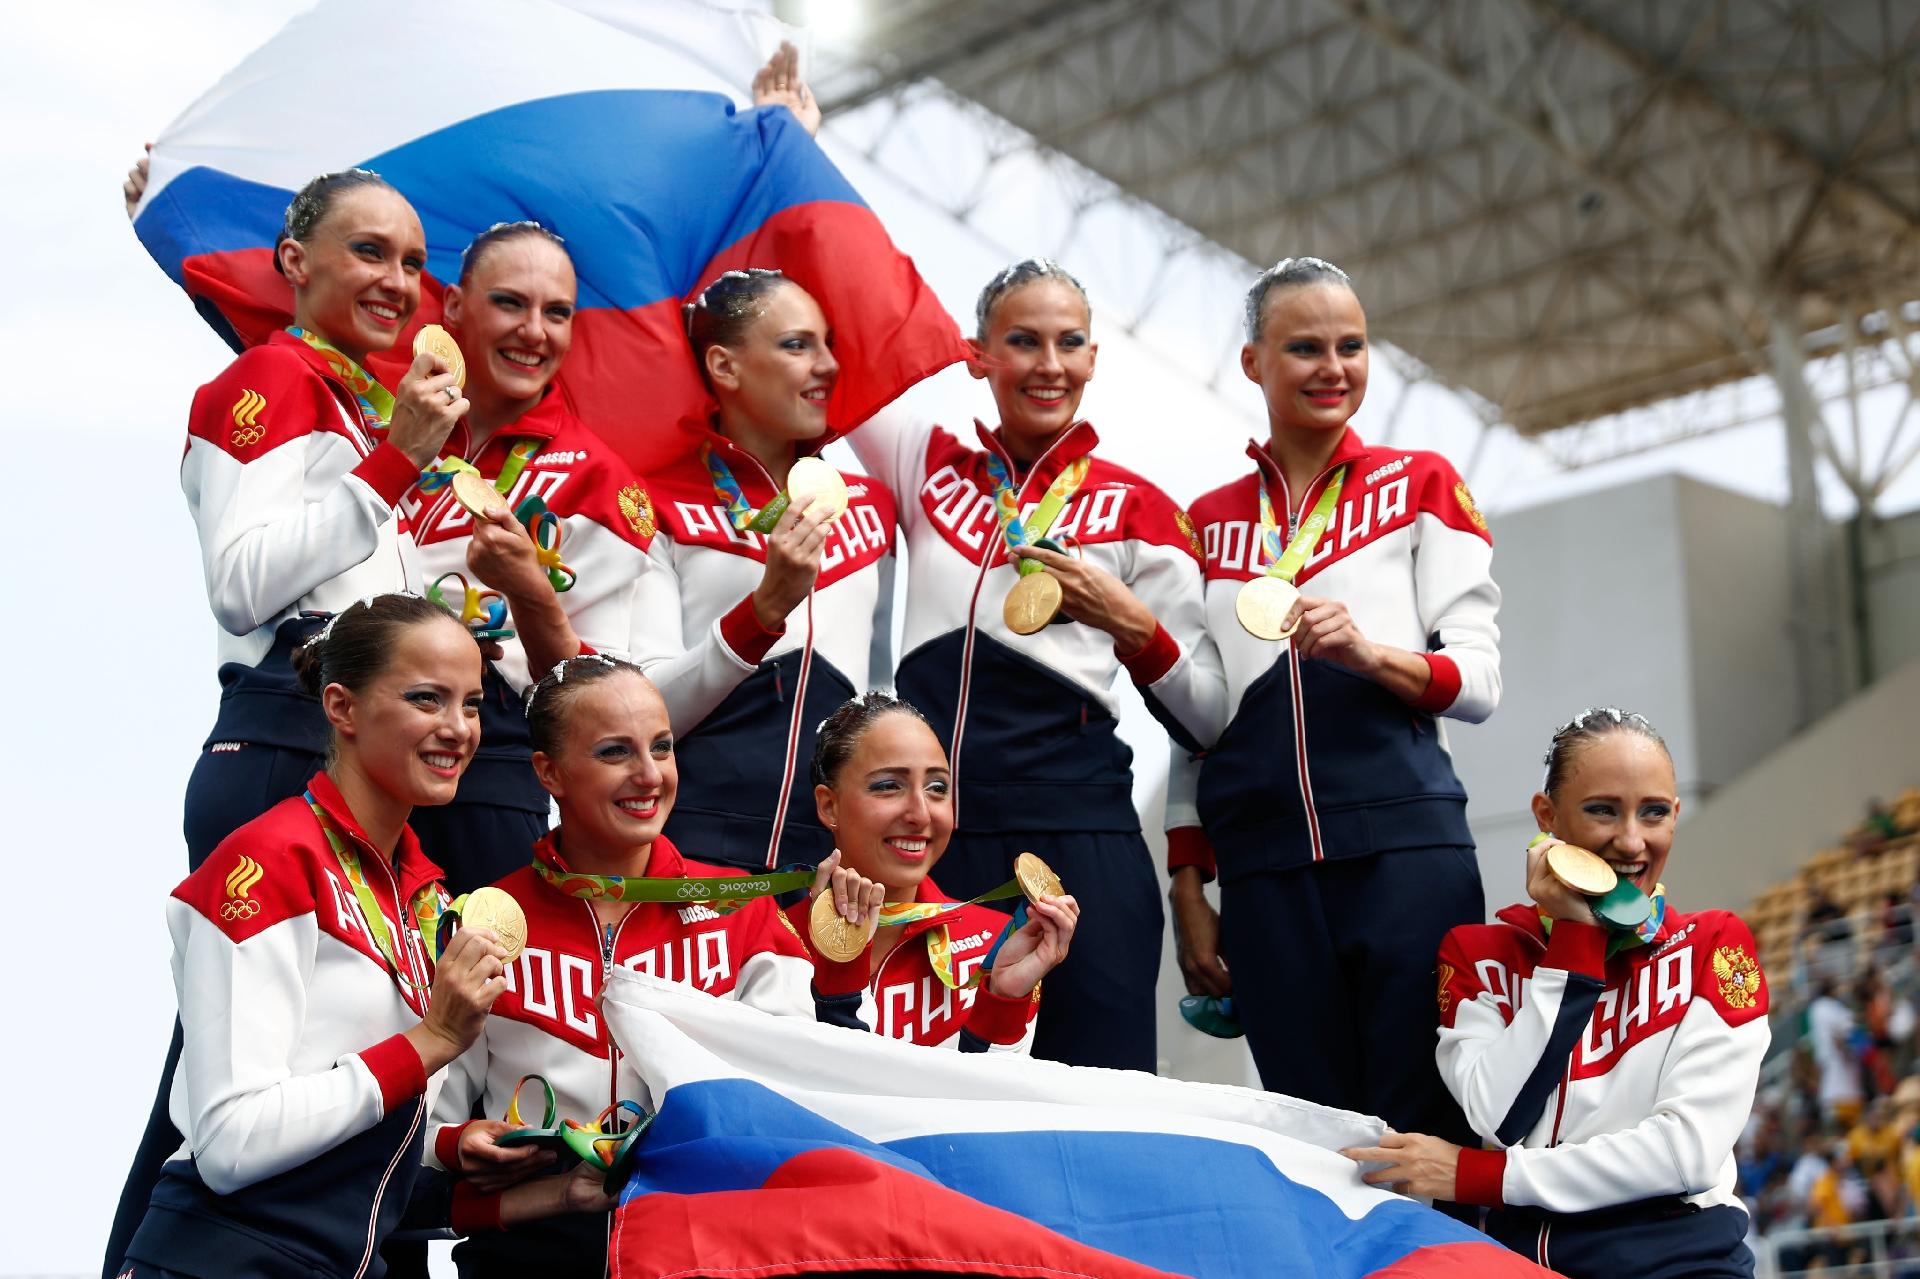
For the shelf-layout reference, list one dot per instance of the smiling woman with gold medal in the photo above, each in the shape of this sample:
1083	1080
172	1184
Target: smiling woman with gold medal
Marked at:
1605	1047
1350	594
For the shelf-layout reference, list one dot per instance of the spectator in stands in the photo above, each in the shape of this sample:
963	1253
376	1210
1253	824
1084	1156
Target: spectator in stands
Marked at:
1839	1193
1830	1026
1873	1145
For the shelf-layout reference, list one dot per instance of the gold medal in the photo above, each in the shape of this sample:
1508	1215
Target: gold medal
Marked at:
1033	602
479	497
832	935
432	338
1262	607
495	908
1036	878
810	479
1585	873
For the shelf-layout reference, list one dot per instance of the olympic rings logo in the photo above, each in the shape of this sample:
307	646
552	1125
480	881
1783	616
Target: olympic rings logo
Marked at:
692	890
239	909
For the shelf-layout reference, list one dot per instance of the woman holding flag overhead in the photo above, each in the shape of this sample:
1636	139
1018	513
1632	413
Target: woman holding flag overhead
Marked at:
930	970
1350	595
1039	572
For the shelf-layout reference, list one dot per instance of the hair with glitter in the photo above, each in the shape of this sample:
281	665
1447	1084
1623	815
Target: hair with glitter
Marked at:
721	313
840	733
1586	728
550	697
1288	273
315	200
1017	275
501	233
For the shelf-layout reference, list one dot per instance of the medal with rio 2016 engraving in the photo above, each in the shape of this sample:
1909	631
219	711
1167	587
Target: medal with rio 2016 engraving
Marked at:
832	935
436	341
1264	602
1034	600
496	909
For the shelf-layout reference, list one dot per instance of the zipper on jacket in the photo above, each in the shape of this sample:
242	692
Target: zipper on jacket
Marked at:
1296	517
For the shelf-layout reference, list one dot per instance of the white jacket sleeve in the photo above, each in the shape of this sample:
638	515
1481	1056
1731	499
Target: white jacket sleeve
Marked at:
462	1083
1179	674
892	447
692	680
1459	602
248	1115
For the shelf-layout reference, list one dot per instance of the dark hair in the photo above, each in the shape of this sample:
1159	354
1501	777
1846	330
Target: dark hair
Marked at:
314	201
549	697
353	648
840	733
1023	272
501	233
721	313
1288	273
1586	728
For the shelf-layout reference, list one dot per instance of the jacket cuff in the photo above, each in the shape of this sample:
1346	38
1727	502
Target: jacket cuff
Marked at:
446	1145
1478	1177
831	977
1001	1021
397	1068
474	1210
1151	664
1189	846
741	631
1443	684
388	471
1578	948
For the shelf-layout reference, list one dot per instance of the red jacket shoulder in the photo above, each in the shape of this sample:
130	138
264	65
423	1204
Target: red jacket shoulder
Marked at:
267	396
260	875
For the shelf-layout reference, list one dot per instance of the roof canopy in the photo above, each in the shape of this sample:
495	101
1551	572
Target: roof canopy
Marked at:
1568	207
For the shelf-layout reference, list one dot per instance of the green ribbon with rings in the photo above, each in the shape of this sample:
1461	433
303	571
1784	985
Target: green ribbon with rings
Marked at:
723	893
427	909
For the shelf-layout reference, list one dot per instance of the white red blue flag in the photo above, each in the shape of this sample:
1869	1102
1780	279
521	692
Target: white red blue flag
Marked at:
784	1147
613	122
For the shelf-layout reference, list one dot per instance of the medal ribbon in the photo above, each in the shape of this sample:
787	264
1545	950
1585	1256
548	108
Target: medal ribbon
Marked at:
426	907
723	894
940	941
441	473
1286	564
1620	939
376	401
740	512
1006	504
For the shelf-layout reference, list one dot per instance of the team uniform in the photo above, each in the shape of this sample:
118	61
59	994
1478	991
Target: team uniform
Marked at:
1331	807
745	701
548	1022
905	998
1613	1088
296	503
1029	721
305	1108
606	522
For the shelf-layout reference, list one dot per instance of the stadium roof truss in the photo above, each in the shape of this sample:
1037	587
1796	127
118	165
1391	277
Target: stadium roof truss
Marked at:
1609	224
1569	210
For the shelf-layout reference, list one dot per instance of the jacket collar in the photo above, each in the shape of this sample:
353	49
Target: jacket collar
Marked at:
542	422
1525	916
411	865
1073	444
664	861
313	357
927	893
1350	449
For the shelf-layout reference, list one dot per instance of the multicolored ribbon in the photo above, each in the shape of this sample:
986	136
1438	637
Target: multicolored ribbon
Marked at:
1620	939
376	401
1286	563
427	908
740	512
940	941
441	473
723	894
1006	503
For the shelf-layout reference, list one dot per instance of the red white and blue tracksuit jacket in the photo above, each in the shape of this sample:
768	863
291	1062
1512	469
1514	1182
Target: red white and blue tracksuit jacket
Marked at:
905	1000
1598	1081
303	1105
606	523
548	1022
1317	762
1031	718
297	510
745	701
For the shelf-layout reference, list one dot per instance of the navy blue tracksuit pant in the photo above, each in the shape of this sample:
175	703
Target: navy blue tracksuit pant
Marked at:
1333	967
1666	1238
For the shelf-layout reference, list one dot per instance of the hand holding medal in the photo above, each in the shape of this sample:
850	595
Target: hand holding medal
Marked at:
428	401
1265	605
1035	598
1560	875
846	910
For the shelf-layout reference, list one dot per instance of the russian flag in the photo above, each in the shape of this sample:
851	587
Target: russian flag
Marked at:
784	1147
613	122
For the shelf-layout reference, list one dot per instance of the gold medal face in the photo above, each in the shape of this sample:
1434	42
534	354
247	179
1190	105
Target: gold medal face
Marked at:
1036	878
832	935
495	908
432	337
1585	873
473	492
812	479
1262	607
1033	602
